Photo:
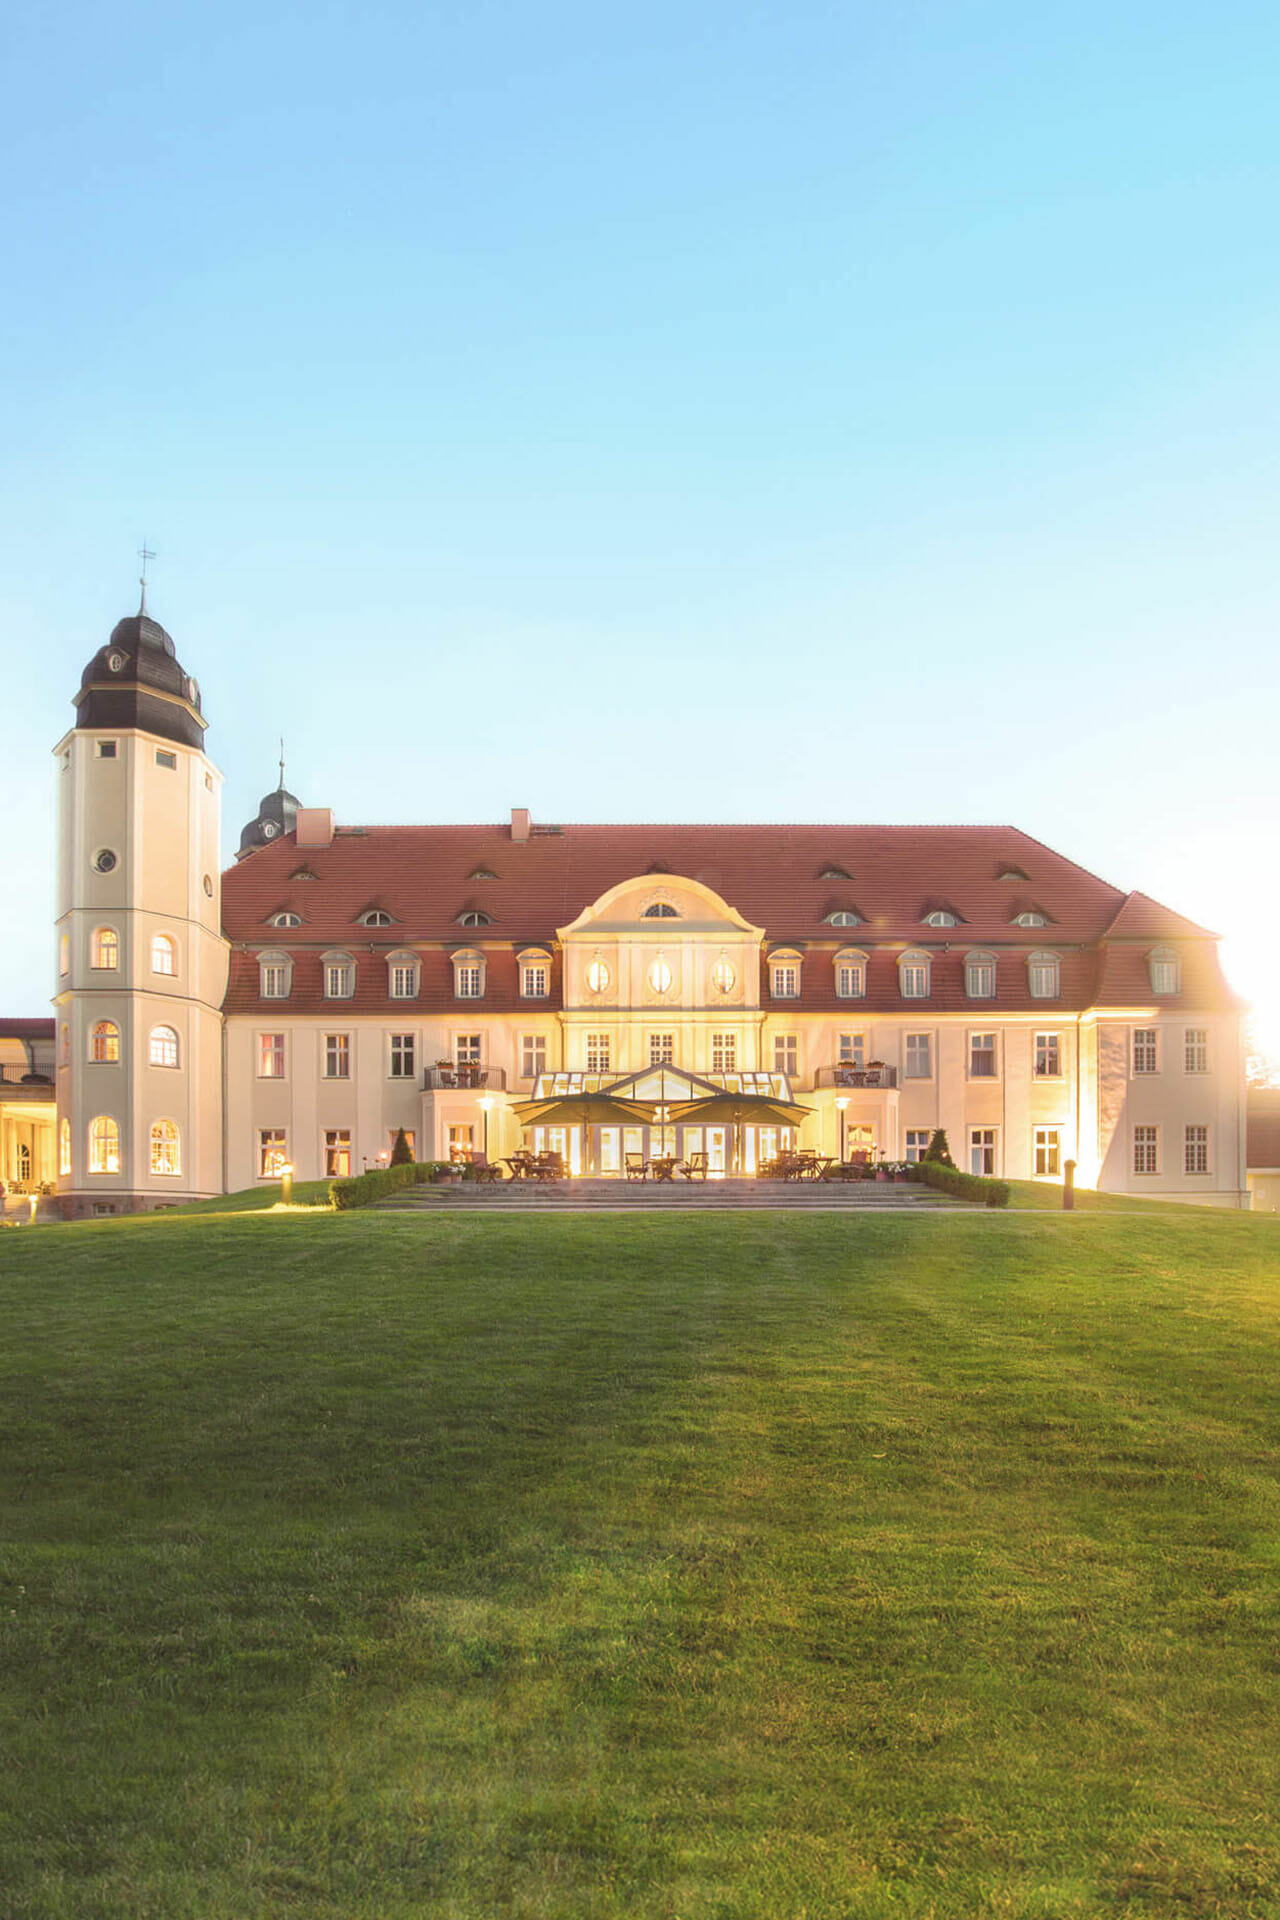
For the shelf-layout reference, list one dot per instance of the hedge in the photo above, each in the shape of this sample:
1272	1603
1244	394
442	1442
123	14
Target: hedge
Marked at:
365	1188
964	1186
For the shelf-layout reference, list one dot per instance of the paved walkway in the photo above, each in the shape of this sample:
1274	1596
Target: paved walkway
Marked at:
626	1196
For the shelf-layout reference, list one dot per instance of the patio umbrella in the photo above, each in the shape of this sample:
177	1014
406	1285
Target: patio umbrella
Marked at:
583	1110
739	1110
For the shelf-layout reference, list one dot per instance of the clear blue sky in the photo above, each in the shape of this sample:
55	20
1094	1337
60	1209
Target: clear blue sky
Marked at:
671	412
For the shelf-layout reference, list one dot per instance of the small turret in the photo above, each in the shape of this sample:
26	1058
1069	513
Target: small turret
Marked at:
277	815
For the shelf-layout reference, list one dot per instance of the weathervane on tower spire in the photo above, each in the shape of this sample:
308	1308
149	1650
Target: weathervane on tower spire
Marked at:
144	554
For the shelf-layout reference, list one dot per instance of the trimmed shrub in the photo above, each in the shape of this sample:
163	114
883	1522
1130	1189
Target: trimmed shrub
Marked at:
365	1188
938	1150
402	1152
964	1186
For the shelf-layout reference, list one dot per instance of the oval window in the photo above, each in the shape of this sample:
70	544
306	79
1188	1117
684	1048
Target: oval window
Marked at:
661	976
597	976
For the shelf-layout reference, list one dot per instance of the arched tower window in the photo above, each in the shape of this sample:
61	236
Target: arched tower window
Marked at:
105	947
166	1147
164	953
104	1145
64	1146
162	1047
104	1043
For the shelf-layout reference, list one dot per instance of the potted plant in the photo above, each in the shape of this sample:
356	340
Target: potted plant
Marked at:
882	1170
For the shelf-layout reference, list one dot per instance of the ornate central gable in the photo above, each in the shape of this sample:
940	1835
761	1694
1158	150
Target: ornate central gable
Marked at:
661	941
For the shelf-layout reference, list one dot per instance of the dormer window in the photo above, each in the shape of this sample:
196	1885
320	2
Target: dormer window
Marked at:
844	917
784	974
468	974
535	973
402	976
474	917
302	873
1032	918
913	976
375	917
834	873
481	873
980	976
1043	976
941	917
275	976
851	975
1165	970
339	976
1012	873
661	910
286	920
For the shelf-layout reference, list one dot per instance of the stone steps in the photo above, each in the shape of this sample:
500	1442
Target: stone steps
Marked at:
620	1196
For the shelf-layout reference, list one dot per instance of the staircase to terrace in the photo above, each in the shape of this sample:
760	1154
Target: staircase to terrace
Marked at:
618	1196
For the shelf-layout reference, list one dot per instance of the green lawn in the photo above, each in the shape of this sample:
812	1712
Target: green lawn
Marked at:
359	1567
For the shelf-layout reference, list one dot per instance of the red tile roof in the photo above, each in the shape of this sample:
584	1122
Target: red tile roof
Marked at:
26	1029
1142	918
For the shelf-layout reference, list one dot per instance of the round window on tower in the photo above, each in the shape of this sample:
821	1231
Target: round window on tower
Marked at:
116	662
208	885
104	860
269	829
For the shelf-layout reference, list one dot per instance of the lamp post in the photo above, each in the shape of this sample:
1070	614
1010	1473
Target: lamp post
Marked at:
485	1103
286	1183
842	1101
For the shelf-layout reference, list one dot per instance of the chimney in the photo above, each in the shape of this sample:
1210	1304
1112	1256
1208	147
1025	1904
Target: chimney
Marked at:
315	826
519	823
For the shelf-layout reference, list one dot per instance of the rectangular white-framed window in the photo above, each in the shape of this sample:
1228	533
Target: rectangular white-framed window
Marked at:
1146	1050
982	1150
918	1139
917	1057
273	1152
469	982
534	982
403	1055
1047	1057
662	1049
106	749
1044	977
982	1056
1195	1150
980	979
724	1053
786	1054
784	982
851	1049
851	980
338	980
599	1053
337	1056
271	1056
1046	1151
913	981
533	1055
165	759
1196	1050
1146	1149
404	981
337	1153
468	1049
1164	975
275	981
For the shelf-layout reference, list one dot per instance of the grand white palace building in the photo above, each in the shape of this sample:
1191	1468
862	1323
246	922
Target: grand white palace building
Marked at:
340	982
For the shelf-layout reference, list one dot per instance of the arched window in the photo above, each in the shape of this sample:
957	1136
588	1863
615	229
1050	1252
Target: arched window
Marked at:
1031	918
851	974
844	917
104	1145
1043	976
913	976
339	976
784	973
64	1146
661	910
941	917
166	1149
375	917
275	976
105	947
164	953
104	1043
1165	970
475	917
980	976
162	1047
468	973
402	976
286	919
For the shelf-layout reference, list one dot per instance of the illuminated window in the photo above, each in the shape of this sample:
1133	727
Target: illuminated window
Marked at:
403	1056
724	1053
598	1053
597	976
106	947
164	953
410	1137
982	1056
1196	1150
64	1146
913	976
402	976
1146	1050
786	1054
980	976
162	1047
1043	976
917	1063
982	1150
533	1055
662	1049
64	953
1048	1057
1047	1150
661	976
339	976
271	1056
166	1156
723	977
104	1145
1146	1149
273	1152
104	1042
275	976
1196	1043
337	1153
337	1056
1166	971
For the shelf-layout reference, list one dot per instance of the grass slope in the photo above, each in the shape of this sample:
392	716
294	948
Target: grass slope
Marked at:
361	1568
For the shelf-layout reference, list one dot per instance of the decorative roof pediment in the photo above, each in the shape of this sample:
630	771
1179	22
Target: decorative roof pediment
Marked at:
634	905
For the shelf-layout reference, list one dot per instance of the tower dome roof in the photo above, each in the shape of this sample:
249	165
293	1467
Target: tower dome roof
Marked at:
277	815
136	680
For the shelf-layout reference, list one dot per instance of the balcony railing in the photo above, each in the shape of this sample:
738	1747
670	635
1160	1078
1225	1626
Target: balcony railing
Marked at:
856	1079
435	1078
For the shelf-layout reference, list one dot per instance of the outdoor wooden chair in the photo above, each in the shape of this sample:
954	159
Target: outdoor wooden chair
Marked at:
549	1166
695	1167
637	1167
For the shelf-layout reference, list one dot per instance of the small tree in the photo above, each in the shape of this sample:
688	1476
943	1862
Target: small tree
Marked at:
938	1149
402	1152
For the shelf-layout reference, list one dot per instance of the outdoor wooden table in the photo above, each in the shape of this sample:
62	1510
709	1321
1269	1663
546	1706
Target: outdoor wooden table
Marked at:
816	1165
664	1168
521	1165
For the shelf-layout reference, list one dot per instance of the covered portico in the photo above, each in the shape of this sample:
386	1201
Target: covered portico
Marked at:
669	1097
